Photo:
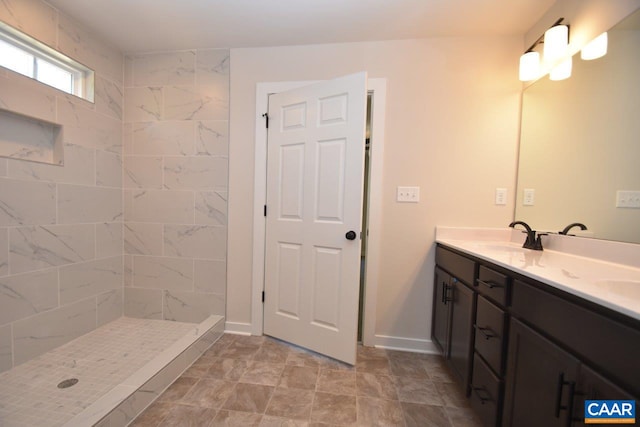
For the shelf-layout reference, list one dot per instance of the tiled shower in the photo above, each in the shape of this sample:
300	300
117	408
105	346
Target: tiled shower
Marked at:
134	222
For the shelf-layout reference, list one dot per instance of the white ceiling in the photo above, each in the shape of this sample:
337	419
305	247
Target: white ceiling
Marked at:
148	25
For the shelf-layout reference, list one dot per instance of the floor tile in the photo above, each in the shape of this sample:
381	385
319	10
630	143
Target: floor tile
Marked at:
269	421
209	393
153	415
262	373
337	382
452	395
236	419
240	349
227	369
380	386
417	415
299	377
379	412
249	398
291	403
417	390
439	374
188	416
178	389
408	368
334	409
272	352
462	417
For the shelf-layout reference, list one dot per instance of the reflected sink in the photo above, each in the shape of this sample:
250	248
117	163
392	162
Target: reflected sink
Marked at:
624	288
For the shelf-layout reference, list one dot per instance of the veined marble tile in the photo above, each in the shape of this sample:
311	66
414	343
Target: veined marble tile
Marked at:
212	138
4	251
86	279
210	276
143	238
35	18
109	238
24	295
108	97
78	168
127	139
167	138
18	94
128	71
38	247
128	270
23	202
3	167
166	68
110	306
196	173
143	104
202	102
211	207
162	206
28	139
108	169
212	67
143	303
191	306
163	273
84	127
87	49
6	362
195	241
143	172
88	204
45	331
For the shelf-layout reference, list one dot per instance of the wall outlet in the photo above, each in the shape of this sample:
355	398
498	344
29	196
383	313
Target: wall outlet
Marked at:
408	194
628	199
501	196
529	197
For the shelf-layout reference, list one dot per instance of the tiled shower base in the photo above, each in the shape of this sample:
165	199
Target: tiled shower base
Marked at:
121	368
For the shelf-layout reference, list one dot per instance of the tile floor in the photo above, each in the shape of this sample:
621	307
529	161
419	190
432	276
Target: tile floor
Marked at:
260	381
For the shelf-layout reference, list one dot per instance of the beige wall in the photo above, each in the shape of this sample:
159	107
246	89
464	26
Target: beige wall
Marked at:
451	128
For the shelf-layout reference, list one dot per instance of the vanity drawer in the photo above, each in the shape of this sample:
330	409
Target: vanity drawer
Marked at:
458	266
493	285
490	328
485	393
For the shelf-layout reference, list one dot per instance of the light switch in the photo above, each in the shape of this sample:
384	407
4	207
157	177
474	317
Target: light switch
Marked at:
408	194
529	197
501	196
628	199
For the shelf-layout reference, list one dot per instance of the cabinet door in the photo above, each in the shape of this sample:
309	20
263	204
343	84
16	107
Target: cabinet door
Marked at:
540	382
441	311
461	339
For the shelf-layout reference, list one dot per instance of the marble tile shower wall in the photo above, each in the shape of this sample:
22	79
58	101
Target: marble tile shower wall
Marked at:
175	184
61	227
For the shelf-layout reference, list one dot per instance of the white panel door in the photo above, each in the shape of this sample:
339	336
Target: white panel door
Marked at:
315	173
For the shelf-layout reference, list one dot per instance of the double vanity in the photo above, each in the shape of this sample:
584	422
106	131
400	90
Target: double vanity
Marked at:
530	335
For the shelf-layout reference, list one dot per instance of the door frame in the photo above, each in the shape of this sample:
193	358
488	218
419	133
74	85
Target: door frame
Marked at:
378	87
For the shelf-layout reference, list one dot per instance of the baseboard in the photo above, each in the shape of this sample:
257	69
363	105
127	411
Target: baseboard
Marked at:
406	344
237	328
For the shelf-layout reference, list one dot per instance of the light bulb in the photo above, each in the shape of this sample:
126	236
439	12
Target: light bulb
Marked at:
596	48
562	70
556	40
529	66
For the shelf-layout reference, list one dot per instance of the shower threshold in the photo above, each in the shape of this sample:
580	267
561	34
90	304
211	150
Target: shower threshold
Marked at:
106	377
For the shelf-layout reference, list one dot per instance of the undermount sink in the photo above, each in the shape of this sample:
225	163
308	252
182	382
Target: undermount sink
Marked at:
625	288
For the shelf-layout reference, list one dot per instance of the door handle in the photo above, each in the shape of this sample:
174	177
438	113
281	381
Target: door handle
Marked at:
351	235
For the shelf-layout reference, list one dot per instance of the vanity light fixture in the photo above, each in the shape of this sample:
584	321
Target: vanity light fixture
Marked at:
555	41
529	66
596	48
562	70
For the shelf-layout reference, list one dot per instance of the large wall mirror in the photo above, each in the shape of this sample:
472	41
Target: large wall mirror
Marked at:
580	143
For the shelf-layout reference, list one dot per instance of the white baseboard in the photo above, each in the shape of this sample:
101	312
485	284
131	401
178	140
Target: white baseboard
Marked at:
406	344
237	328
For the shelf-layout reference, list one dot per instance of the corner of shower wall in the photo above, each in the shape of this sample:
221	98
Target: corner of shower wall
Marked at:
61	226
176	156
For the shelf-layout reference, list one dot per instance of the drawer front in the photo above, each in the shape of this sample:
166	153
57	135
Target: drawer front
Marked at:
489	330
493	285
485	393
457	265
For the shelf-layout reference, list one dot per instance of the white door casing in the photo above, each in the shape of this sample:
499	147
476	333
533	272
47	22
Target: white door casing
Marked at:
314	197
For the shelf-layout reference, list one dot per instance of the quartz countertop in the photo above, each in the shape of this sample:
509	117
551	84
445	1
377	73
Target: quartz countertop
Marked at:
612	285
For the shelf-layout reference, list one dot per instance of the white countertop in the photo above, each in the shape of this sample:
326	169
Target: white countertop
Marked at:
610	284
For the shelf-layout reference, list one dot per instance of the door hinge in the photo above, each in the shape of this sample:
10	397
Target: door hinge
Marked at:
266	121
262	296
265	210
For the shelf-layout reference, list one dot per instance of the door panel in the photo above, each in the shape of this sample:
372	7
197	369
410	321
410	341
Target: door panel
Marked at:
315	171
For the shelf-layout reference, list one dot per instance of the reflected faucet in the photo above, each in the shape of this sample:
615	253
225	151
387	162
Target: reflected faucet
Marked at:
570	226
531	241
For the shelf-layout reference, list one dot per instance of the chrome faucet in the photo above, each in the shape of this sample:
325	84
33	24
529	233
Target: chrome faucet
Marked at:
570	226
531	241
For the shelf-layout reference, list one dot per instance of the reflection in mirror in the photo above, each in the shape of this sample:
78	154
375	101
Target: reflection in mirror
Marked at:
580	144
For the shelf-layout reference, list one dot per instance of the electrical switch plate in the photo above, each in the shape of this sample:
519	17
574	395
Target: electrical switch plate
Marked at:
408	194
529	197
501	196
628	199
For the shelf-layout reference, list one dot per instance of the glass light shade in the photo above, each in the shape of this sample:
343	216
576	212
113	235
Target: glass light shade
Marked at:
596	48
562	70
556	40
529	66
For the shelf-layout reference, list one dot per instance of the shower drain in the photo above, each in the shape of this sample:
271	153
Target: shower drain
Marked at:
68	383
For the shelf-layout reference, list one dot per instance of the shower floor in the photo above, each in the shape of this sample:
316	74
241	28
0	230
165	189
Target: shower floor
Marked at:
125	352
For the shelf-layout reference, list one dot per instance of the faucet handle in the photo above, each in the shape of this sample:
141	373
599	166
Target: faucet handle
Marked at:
538	244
